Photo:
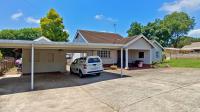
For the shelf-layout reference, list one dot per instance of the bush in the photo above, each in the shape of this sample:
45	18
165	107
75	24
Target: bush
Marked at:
1	56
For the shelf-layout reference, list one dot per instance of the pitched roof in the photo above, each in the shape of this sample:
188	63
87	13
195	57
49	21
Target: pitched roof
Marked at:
104	37
156	42
194	45
44	39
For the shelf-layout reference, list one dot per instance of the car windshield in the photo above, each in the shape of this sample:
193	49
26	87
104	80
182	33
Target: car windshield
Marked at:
93	60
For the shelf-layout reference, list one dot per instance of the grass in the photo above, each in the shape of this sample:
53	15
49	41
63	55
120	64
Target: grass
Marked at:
190	63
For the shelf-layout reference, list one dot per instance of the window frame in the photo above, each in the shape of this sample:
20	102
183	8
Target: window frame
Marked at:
104	53
157	54
141	56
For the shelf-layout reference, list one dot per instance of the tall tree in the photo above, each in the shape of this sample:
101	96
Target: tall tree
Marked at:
167	31
155	31
52	27
178	23
135	29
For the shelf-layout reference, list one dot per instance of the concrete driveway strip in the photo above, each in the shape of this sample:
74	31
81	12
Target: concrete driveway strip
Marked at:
56	100
151	90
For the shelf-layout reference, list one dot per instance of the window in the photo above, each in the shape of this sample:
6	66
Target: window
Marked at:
157	54
141	54
93	60
75	61
103	54
82	60
51	57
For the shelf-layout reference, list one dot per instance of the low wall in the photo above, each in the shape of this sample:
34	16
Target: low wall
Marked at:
191	55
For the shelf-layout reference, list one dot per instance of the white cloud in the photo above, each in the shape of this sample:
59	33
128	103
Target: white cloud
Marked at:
16	16
181	5
194	33
101	17
32	20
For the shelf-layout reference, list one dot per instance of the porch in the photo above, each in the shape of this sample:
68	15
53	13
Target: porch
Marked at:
130	56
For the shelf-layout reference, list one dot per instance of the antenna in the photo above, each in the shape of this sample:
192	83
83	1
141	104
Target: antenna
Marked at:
115	27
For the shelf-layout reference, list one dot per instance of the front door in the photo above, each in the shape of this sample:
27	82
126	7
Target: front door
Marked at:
119	58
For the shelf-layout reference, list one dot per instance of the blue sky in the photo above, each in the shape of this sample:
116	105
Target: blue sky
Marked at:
98	15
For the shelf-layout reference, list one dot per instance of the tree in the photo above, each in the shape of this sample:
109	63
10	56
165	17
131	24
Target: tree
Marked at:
185	40
21	34
155	31
178	23
52	27
135	29
167	31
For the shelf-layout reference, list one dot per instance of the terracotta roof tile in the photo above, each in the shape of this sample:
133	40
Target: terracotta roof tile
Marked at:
104	37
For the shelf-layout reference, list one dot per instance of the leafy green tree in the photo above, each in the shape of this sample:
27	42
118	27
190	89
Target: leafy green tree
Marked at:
167	31
135	29
21	34
178	23
185	40
155	31
52	27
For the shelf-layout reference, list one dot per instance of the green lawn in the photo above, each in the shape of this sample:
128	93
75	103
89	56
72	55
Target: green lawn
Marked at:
192	63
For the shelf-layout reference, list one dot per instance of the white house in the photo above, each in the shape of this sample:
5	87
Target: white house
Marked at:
44	55
135	48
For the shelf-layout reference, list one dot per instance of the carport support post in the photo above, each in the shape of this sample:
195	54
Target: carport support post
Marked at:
32	67
121	62
126	59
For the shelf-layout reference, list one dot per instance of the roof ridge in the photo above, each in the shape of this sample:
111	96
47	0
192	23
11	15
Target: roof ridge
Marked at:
100	32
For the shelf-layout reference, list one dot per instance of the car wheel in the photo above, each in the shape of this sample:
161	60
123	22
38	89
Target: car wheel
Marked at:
98	74
71	72
80	74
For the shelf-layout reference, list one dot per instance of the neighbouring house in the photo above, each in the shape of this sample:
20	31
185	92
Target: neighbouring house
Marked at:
195	47
135	48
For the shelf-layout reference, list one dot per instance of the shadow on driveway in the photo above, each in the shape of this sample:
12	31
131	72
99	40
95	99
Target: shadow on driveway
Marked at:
11	85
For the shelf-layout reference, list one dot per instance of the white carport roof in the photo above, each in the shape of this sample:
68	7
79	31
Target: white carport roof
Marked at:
55	45
42	44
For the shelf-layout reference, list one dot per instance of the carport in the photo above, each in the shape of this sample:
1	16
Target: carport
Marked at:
43	44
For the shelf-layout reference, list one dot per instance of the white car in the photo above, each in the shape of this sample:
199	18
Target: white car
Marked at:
87	65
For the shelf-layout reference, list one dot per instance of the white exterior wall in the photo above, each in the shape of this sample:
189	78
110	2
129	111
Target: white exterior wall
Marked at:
111	60
133	55
43	65
79	39
157	49
140	45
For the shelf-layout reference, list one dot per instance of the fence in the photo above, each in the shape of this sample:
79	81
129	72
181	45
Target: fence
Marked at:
6	64
190	55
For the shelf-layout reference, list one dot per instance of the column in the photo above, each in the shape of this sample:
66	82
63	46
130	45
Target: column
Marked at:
126	60
32	67
121	62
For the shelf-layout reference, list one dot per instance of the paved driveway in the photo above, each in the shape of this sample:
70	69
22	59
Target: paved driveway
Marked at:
151	90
